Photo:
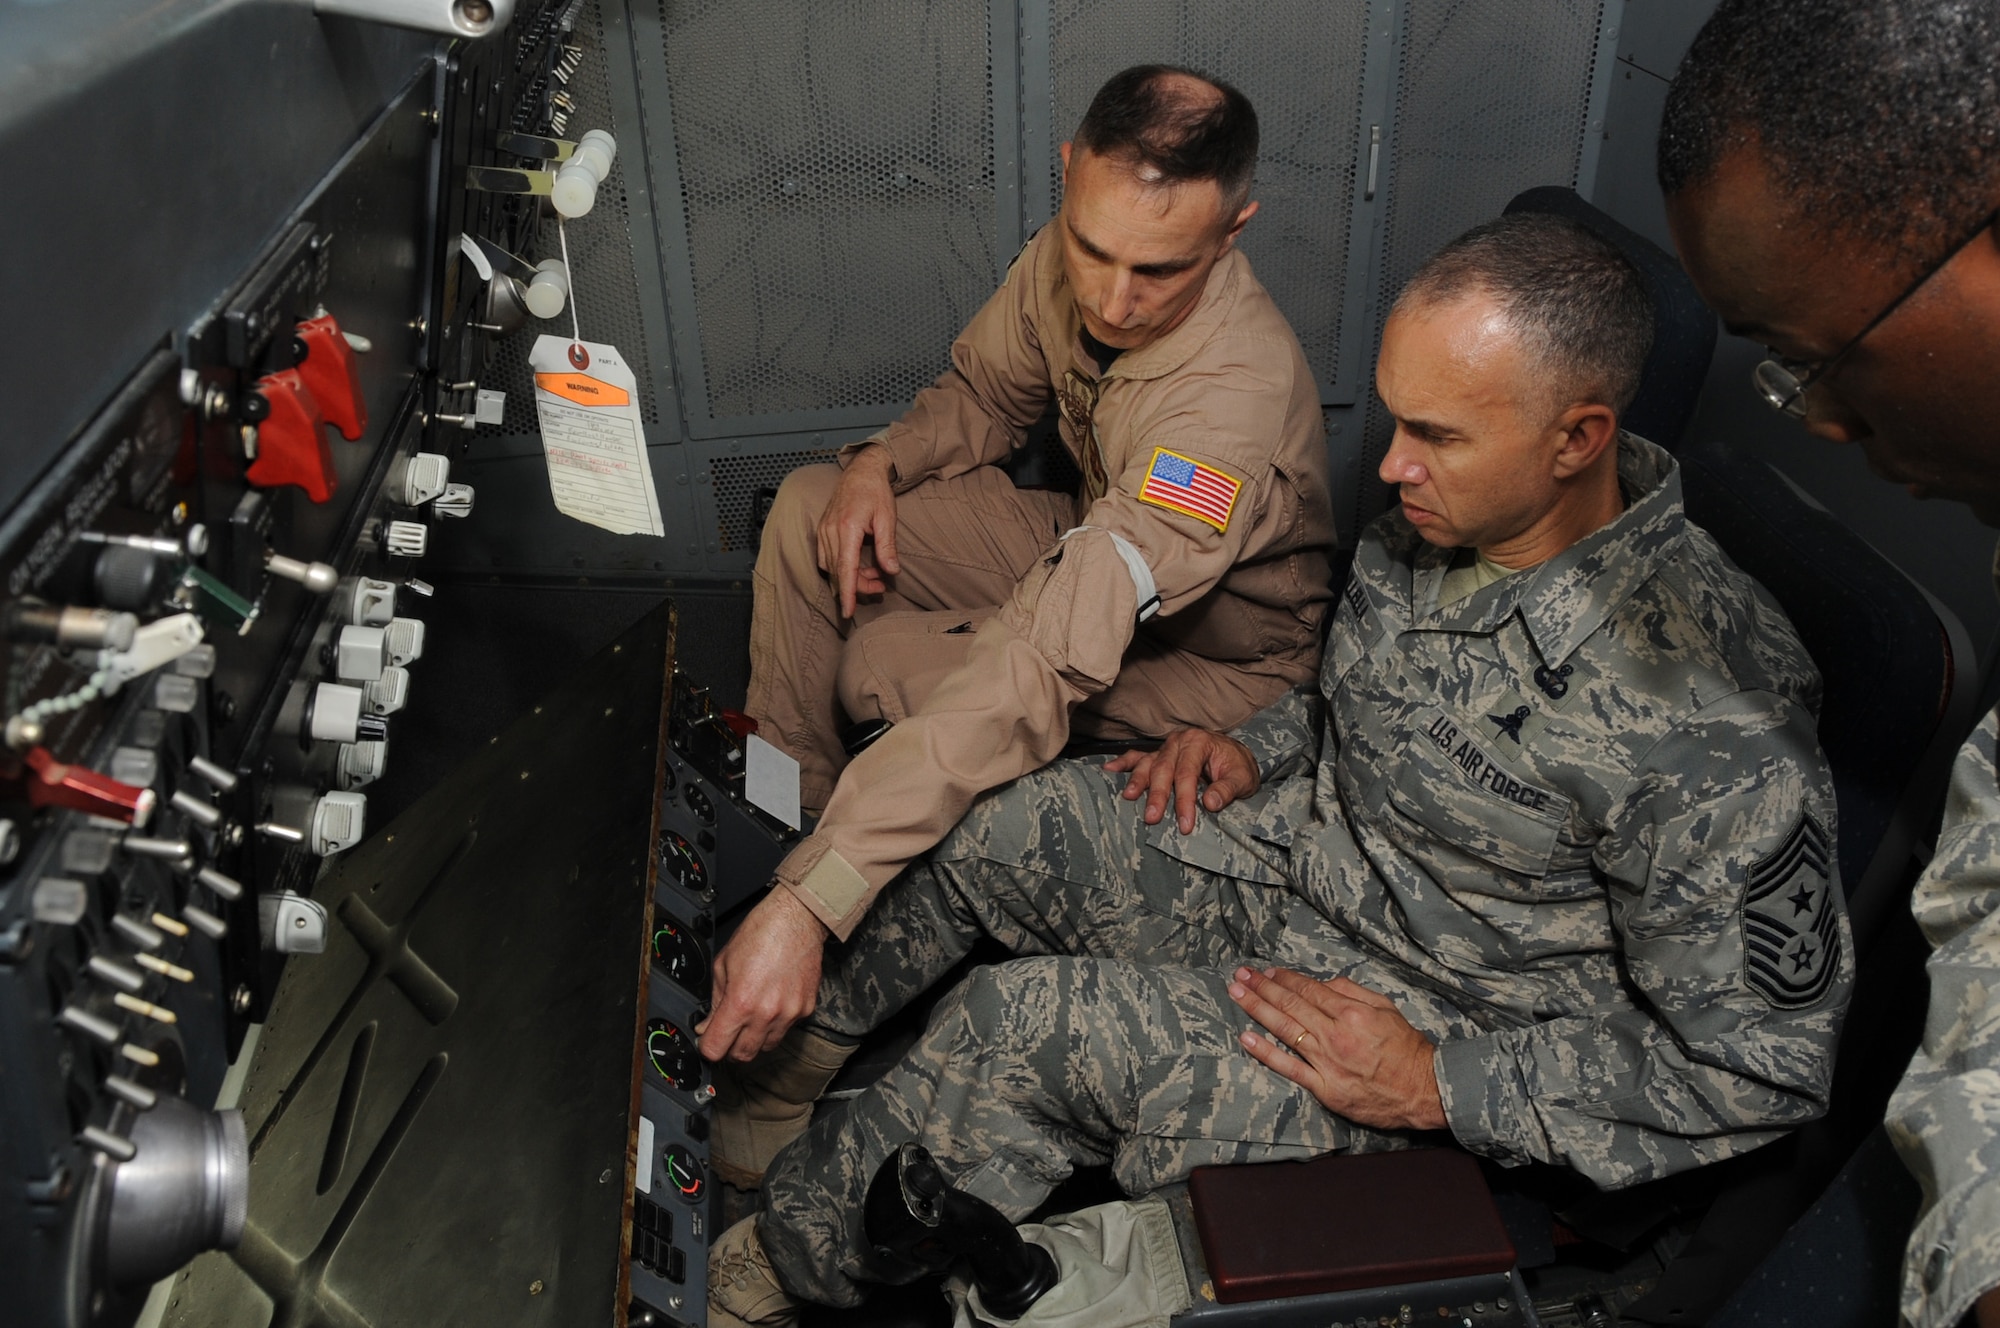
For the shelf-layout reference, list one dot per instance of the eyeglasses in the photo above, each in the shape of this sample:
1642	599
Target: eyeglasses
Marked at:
1784	382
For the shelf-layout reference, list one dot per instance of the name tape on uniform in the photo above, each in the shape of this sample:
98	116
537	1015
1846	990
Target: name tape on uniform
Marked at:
592	436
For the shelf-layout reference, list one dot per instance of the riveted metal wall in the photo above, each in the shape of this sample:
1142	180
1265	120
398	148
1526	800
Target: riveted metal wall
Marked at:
1300	63
1491	97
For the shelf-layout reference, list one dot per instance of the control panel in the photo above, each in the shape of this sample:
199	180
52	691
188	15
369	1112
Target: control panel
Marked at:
212	610
716	856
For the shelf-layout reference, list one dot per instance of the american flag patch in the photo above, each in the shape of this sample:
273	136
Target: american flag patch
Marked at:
1182	484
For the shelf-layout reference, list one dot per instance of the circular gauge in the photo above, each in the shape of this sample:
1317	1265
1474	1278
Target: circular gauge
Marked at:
698	803
685	1173
673	1055
680	861
681	957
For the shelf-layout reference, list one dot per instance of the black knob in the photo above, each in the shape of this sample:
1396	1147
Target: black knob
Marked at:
127	578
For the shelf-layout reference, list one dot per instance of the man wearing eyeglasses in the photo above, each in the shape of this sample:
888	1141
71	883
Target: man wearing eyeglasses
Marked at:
1831	170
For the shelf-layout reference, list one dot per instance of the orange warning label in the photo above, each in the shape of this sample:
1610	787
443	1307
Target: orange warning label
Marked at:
582	389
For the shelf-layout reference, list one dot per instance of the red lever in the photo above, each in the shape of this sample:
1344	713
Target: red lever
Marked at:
332	375
291	442
54	784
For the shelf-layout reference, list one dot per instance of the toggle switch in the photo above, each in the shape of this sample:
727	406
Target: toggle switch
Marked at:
366	602
406	539
454	502
339	821
138	1096
142	934
574	191
332	375
360	653
202	812
205	922
73	629
388	693
405	638
116	975
315	577
291	924
419	479
225	887
211	774
93	1025
52	783
291	438
165	850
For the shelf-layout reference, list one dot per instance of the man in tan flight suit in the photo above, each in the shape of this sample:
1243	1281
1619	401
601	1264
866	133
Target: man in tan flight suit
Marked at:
1185	585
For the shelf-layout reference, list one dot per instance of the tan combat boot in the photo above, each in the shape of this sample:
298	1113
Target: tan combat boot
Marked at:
762	1106
743	1292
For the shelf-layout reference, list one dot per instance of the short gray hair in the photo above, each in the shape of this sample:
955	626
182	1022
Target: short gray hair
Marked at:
1577	303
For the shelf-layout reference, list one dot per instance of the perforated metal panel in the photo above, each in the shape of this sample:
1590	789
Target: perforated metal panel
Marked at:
1299	62
730	474
837	178
607	291
1492	98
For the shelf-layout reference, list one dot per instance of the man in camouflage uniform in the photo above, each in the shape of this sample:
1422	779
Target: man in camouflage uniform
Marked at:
1860	247
1545	861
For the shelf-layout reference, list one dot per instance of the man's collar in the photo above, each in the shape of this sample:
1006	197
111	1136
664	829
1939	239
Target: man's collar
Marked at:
1169	353
1565	599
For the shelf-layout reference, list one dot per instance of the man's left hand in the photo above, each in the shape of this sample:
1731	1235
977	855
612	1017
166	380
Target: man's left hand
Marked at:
1346	1045
766	979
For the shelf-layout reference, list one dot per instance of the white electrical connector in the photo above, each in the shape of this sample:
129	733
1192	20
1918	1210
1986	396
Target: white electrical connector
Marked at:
405	640
420	479
360	763
291	923
361	653
339	821
574	192
388	693
455	502
367	602
335	713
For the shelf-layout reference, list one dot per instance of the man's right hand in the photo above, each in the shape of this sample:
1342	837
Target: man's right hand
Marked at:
766	979
1167	778
863	506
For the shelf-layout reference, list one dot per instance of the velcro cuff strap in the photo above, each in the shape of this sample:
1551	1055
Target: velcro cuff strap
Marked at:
1146	592
838	887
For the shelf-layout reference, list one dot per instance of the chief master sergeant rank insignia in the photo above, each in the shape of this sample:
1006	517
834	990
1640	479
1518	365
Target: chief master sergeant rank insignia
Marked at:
1790	933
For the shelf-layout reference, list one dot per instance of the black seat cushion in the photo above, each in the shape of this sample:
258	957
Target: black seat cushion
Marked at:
1880	648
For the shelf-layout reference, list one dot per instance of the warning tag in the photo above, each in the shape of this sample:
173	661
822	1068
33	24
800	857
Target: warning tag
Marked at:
592	437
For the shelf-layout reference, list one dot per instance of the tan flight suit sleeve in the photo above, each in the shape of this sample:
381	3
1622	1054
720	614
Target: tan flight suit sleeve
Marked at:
1059	639
978	410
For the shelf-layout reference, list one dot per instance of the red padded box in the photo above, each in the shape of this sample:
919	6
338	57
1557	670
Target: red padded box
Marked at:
1346	1221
